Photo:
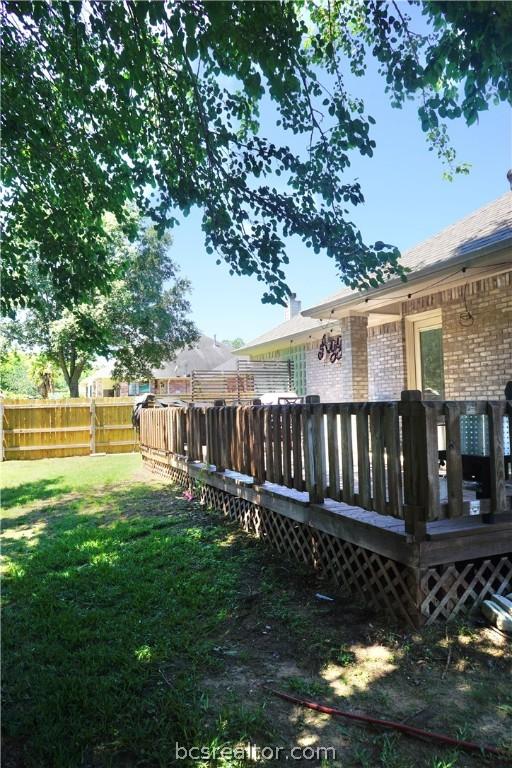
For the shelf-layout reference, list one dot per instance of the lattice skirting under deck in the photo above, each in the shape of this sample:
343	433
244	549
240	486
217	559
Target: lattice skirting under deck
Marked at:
409	595
158	466
453	588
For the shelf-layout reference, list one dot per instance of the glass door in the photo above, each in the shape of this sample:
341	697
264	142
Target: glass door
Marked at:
428	342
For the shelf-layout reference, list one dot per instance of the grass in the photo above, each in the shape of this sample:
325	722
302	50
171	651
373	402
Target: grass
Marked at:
107	619
134	619
53	478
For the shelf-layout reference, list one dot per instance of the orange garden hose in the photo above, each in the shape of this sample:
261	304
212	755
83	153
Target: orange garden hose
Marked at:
409	730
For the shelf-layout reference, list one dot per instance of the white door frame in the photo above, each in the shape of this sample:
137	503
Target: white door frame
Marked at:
422	321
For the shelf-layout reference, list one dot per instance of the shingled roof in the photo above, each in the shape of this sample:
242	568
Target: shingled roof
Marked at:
296	326
487	228
205	355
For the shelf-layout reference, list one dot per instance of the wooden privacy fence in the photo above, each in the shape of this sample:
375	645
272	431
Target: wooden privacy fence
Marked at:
250	380
382	456
37	429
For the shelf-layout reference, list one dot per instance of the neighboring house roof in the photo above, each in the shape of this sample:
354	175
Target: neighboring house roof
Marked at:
105	372
489	228
231	364
205	355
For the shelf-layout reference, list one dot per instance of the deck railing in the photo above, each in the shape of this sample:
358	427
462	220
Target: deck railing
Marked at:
400	458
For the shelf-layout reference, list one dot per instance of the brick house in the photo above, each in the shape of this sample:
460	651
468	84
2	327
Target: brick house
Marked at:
447	331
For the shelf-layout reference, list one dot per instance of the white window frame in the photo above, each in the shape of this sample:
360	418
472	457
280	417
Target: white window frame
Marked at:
414	324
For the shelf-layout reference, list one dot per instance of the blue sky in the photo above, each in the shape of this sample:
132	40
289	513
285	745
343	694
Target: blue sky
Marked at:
407	200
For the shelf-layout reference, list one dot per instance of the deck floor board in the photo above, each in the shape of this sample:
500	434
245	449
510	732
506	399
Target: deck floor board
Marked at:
446	540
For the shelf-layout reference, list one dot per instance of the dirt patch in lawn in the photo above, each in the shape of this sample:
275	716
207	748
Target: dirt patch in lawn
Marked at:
453	680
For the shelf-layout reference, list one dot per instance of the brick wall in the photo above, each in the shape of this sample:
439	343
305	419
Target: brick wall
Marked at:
181	386
323	377
347	379
354	366
478	353
320	376
386	361
478	356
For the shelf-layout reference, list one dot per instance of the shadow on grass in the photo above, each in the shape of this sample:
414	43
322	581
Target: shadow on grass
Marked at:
28	493
108	628
135	620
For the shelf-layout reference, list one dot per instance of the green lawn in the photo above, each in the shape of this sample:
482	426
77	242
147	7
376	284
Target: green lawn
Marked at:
134	619
27	481
109	616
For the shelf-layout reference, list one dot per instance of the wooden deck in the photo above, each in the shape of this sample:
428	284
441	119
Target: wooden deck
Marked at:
463	537
372	511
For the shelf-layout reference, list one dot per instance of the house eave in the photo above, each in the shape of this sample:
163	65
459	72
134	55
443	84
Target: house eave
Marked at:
282	341
351	301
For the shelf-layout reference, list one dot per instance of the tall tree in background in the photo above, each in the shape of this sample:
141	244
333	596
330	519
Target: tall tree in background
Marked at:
15	370
27	375
105	101
140	323
234	343
42	374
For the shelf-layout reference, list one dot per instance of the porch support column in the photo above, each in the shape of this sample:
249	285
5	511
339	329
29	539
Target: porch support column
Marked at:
354	364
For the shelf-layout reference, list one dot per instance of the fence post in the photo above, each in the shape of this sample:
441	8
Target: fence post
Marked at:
191	433
421	474
196	427
208	440
247	436
237	439
298	482
221	439
277	471
363	456
313	452
204	436
454	473
495	414
93	426
257	457
197	452
188	432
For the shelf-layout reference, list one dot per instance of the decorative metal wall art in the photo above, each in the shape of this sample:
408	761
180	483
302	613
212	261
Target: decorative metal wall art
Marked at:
331	348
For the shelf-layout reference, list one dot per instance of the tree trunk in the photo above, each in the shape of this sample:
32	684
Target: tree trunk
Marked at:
73	387
72	373
74	379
